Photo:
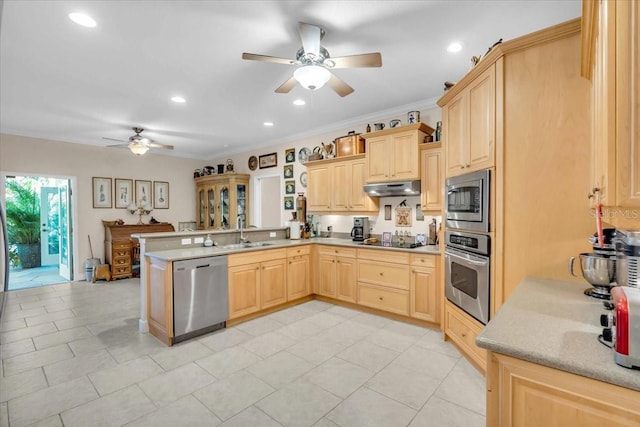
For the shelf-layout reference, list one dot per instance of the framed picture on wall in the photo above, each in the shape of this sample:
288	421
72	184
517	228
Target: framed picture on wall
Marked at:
143	192
268	160
160	195
288	171
290	187
101	192
290	155
123	192
288	203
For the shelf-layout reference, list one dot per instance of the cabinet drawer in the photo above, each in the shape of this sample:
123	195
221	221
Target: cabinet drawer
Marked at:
384	273
463	331
387	299
384	255
121	244
337	251
423	260
119	270
298	250
121	261
121	253
256	256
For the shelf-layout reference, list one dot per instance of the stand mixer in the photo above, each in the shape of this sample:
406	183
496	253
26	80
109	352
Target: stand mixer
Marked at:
599	267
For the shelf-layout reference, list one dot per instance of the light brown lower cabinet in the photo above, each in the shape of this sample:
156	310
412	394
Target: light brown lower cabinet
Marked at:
424	292
298	272
463	331
159	284
257	280
521	393
337	276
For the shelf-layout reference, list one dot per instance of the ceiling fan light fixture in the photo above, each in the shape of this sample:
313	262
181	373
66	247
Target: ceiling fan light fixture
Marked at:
312	77
138	149
83	19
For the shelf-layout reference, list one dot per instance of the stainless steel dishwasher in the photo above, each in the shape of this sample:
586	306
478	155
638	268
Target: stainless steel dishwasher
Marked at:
200	296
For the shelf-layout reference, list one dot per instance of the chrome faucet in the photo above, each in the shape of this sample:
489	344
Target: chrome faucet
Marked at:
240	227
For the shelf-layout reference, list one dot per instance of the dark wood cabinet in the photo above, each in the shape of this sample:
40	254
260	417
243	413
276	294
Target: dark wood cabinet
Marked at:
122	252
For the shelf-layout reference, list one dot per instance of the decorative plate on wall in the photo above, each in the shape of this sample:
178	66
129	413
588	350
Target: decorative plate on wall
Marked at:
303	155
253	163
303	179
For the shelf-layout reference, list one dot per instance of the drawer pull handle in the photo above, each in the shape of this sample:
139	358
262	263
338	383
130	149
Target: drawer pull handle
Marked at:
464	335
381	274
380	298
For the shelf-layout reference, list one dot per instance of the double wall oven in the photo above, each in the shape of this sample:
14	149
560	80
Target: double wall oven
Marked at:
467	247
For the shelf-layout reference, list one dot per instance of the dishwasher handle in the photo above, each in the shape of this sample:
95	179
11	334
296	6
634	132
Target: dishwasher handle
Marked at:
203	266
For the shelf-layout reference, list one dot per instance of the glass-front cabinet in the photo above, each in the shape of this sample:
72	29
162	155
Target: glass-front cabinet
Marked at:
222	201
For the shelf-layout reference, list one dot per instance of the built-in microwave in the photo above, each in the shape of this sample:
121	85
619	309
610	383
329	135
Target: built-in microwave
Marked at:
467	201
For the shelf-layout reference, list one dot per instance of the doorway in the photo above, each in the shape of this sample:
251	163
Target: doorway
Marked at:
39	227
267	196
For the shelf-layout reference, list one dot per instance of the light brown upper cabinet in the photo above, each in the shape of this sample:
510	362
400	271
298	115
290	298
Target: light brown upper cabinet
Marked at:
335	186
392	155
610	34
469	126
432	182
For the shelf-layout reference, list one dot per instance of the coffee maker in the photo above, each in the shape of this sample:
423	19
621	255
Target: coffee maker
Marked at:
360	230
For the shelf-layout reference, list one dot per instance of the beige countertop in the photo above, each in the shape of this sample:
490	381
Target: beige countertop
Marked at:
199	252
552	323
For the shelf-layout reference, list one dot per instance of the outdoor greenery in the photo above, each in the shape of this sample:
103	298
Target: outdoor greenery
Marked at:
23	212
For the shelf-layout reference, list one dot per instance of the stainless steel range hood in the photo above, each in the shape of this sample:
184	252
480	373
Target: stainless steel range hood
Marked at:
402	188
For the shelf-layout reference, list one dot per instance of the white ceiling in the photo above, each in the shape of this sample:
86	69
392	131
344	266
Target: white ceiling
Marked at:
65	82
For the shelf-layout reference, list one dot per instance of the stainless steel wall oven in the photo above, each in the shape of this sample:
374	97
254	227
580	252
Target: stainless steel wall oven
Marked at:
467	268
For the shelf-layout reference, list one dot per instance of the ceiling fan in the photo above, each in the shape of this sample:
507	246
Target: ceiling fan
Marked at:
315	63
139	144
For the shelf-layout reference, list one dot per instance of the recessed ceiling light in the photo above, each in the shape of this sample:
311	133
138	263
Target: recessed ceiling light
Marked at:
299	102
454	47
225	145
178	99
82	19
268	123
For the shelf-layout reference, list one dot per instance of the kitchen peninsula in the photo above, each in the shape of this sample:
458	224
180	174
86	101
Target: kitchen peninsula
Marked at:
369	280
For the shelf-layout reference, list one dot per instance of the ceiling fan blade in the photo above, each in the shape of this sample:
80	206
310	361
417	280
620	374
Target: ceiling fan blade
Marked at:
163	146
310	36
354	61
287	86
339	86
113	139
118	145
266	58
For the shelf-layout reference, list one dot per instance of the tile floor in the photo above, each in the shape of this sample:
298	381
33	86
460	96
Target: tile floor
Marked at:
23	278
72	356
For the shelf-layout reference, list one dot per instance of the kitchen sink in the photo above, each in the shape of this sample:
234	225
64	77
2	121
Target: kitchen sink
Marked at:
245	245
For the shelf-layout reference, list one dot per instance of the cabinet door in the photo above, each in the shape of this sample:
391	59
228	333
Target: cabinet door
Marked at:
340	176
318	188
273	283
431	194
360	201
244	290
298	272
377	159
224	206
405	160
528	394
424	294
454	119
346	279
628	103
201	208
212	208
482	106
327	279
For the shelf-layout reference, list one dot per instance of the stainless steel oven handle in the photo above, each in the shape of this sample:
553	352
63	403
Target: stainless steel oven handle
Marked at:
466	257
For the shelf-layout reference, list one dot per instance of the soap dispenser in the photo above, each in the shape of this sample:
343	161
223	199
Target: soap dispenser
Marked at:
208	242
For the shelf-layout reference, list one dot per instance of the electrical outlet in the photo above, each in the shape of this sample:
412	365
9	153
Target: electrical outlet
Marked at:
186	241
198	240
272	234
